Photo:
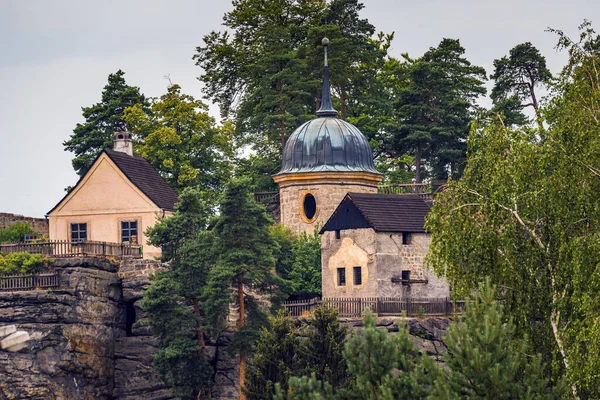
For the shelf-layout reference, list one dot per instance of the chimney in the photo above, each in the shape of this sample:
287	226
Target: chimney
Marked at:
122	142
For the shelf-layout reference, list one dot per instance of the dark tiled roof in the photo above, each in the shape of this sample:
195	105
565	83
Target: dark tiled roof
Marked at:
382	212
144	177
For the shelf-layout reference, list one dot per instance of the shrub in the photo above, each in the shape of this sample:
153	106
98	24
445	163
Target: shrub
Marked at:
22	263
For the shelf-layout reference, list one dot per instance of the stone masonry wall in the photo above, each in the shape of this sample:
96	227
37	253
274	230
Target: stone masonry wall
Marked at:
39	225
327	196
382	257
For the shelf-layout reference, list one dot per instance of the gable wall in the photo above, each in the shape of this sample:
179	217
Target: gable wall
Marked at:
103	199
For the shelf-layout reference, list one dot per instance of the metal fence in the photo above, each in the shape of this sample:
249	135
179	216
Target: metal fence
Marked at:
63	249
381	306
21	282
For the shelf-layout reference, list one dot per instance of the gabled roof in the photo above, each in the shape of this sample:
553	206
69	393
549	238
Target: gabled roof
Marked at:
382	212
142	175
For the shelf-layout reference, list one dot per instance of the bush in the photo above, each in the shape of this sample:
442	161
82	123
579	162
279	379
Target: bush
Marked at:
22	263
16	233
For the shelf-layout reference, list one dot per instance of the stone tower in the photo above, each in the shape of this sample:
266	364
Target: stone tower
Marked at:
323	159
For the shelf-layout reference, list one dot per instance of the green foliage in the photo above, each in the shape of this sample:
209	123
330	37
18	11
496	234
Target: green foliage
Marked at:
275	358
265	72
182	141
305	275
322	351
178	360
298	261
102	120
516	78
281	353
22	263
485	360
15	233
526	214
173	299
305	388
244	261
435	95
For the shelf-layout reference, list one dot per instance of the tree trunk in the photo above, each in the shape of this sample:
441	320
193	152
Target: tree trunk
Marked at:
418	164
242	324
201	343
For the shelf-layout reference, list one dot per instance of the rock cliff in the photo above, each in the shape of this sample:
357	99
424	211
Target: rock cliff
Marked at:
89	340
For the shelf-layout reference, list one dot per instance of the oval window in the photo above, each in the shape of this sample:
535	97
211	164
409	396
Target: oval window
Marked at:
309	206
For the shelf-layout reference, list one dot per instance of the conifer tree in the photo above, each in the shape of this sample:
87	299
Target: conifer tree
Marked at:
245	263
172	301
275	359
486	361
102	120
322	353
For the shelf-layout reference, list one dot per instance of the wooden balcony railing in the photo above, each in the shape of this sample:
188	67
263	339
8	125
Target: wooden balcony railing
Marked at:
381	306
23	282
64	249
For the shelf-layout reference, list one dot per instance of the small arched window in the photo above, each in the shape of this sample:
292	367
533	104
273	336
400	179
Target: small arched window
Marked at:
120	136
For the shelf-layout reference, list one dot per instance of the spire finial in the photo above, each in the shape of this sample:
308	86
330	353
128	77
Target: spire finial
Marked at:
326	109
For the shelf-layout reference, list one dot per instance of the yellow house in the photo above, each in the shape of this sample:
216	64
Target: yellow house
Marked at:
115	201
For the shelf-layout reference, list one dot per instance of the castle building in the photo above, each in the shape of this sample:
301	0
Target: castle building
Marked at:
119	197
323	159
372	245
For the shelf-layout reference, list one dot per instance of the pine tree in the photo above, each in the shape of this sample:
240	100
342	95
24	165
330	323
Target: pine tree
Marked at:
275	359
486	361
173	299
102	120
516	78
322	351
435	96
245	262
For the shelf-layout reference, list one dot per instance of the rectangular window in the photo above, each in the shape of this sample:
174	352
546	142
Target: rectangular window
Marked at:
406	238
357	276
337	234
129	232
405	277
341	276
78	232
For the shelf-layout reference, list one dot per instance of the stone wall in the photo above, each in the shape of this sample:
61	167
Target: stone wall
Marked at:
327	195
382	257
39	225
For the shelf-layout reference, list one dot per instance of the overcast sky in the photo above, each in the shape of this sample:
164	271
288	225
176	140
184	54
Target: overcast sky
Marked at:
55	57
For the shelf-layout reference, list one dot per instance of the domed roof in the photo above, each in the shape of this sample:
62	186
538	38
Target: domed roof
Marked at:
327	143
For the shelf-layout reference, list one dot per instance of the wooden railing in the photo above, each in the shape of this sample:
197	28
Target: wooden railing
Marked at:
381	306
404	188
266	197
63	249
22	282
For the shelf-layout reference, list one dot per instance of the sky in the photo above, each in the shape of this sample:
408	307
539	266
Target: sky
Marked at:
55	57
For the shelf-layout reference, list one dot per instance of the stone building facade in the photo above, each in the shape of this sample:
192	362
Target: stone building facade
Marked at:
383	259
327	192
375	245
